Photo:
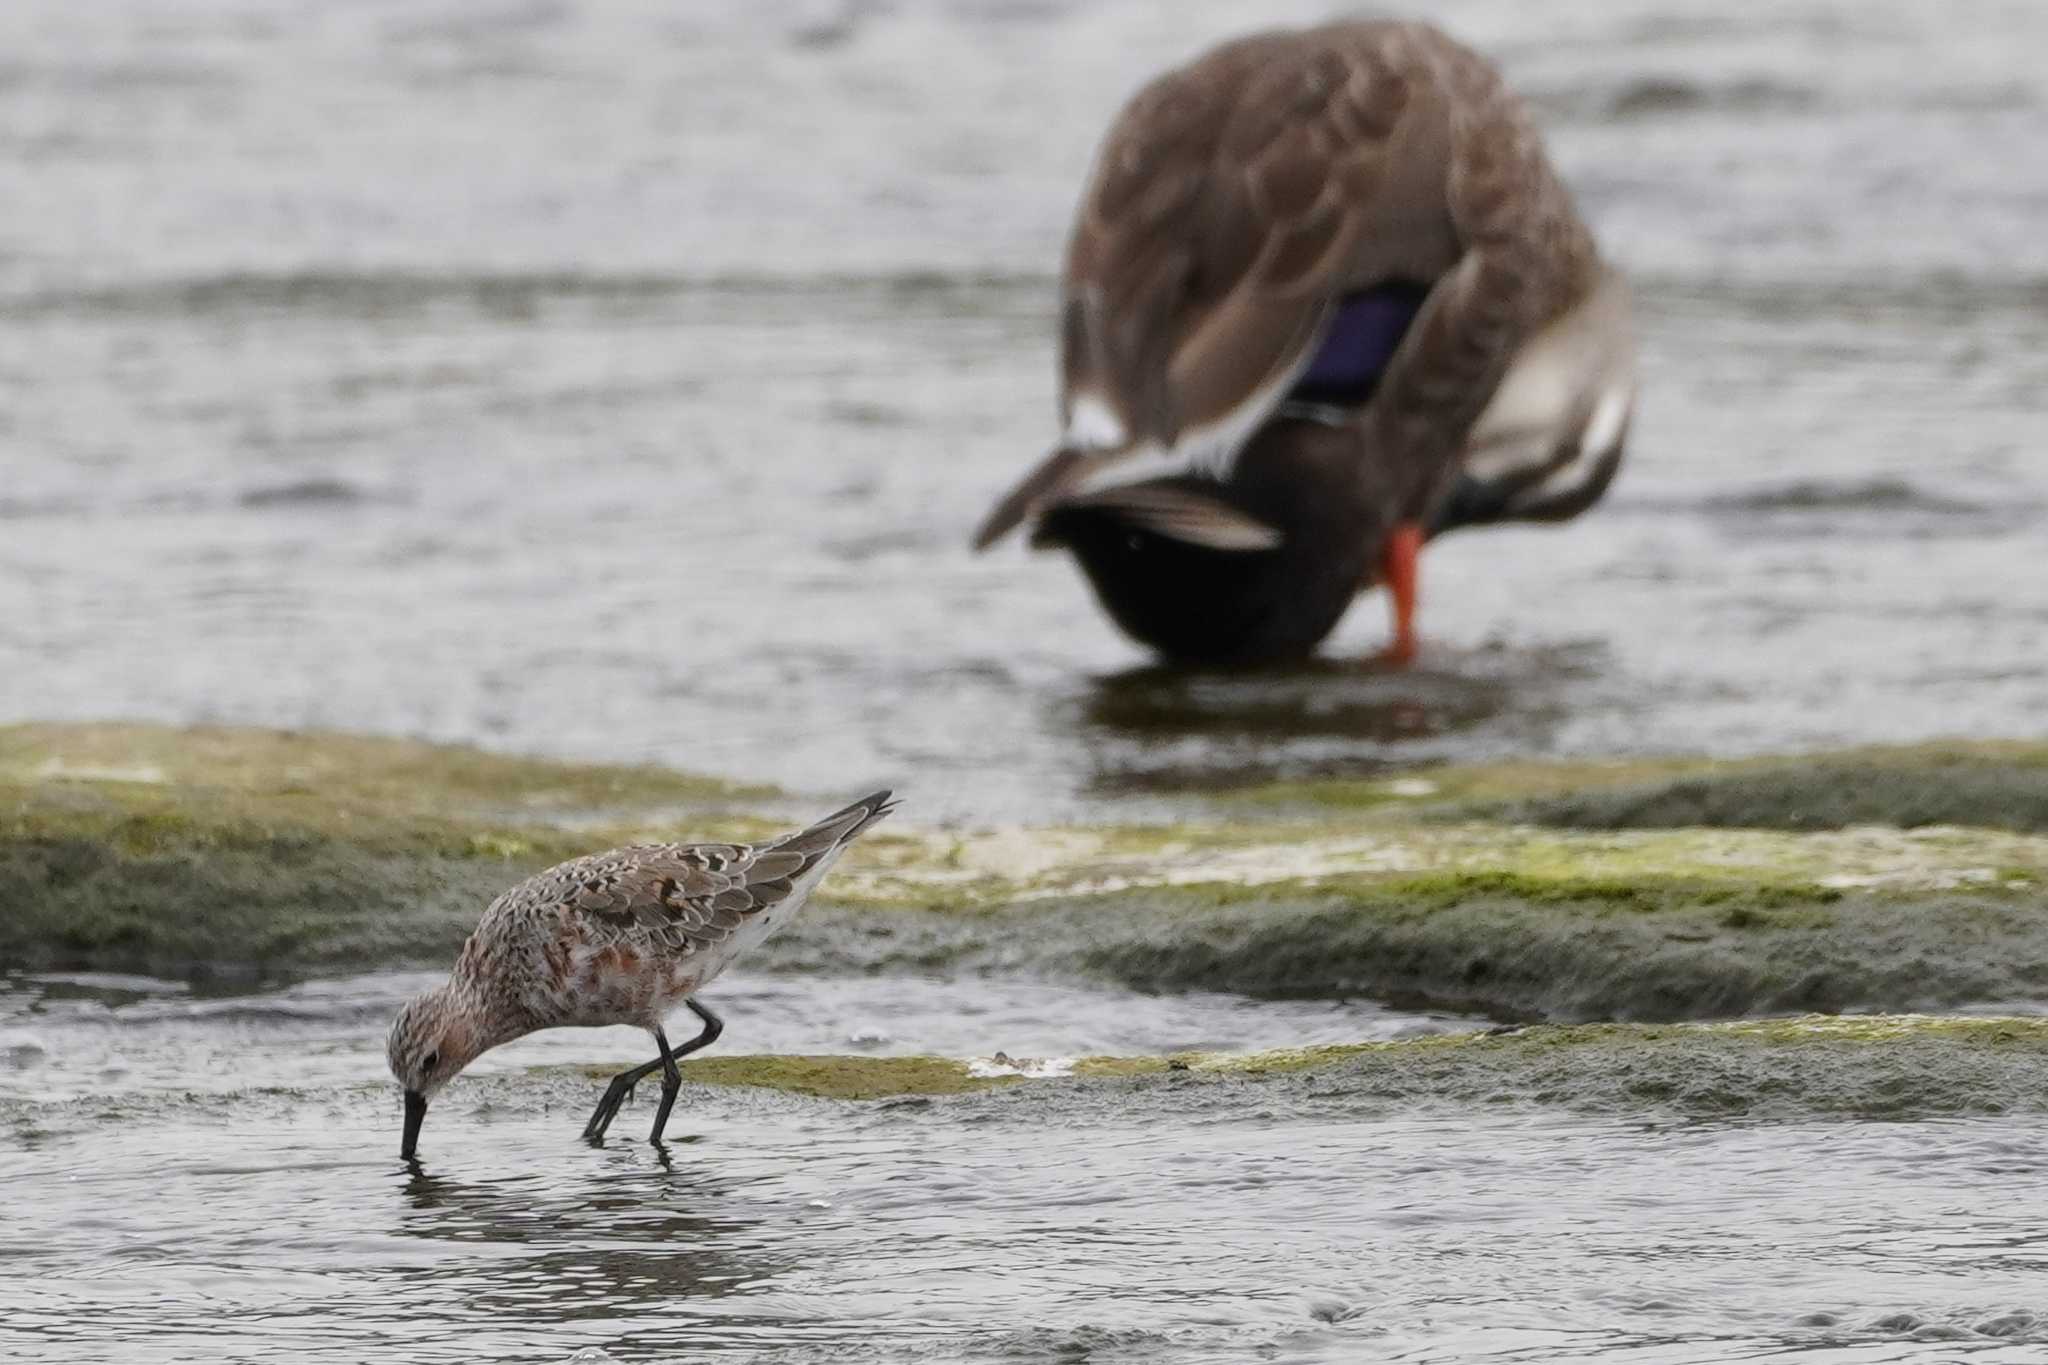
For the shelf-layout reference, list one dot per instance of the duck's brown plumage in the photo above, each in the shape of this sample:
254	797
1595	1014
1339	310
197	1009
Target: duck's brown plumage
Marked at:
1237	199
1254	571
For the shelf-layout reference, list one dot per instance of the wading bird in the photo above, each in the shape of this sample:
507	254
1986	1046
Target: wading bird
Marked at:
624	937
1330	281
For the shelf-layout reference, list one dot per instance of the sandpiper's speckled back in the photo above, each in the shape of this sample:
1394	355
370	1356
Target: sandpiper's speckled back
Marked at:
625	936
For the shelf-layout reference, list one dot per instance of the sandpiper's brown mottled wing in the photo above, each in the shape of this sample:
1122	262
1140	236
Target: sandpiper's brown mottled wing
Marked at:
1236	199
681	898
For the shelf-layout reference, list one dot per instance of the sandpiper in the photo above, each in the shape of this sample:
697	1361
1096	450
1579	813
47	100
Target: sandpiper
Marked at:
623	937
1351	227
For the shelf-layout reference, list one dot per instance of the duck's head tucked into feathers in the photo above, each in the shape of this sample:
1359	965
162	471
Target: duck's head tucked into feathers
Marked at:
1254	569
1552	436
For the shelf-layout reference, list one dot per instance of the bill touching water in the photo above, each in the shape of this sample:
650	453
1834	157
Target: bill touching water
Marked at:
602	396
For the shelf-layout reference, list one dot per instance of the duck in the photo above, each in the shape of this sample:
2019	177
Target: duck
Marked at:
1325	298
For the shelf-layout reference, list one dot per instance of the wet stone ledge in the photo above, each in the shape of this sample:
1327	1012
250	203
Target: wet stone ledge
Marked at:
1523	892
1872	1066
1817	1067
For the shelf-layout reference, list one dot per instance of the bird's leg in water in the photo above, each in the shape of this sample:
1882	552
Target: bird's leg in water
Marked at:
672	1079
615	1095
1398	572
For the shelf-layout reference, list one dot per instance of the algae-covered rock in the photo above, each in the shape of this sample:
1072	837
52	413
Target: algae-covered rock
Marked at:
1983	784
1991	787
1880	1066
144	848
141	847
840	1078
361	772
1569	954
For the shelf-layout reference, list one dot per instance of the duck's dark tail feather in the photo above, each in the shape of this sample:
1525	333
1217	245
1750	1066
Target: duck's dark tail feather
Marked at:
1170	508
1058	471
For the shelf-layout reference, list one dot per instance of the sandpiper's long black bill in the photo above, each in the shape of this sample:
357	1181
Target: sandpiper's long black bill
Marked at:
415	1115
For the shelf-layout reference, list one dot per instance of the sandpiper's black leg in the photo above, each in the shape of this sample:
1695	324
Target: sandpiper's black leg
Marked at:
615	1095
713	1026
671	1082
671	1078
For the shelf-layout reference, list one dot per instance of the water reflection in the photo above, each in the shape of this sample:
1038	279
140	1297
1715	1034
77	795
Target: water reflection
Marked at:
1159	729
585	1240
1276	1219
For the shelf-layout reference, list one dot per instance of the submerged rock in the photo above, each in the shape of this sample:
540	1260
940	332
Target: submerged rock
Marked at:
1945	788
1991	784
1876	1066
204	851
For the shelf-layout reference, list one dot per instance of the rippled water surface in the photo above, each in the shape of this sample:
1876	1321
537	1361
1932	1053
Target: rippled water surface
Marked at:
622	379
212	1177
1040	1226
72	1036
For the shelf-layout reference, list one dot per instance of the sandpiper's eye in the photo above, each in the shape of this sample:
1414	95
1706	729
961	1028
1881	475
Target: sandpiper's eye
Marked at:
429	1062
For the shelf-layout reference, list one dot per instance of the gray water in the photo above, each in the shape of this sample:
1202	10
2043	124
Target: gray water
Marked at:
73	1036
1204	1223
622	380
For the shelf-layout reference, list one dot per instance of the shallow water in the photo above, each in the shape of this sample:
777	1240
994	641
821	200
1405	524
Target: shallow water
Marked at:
622	382
1017	1227
211	1177
71	1036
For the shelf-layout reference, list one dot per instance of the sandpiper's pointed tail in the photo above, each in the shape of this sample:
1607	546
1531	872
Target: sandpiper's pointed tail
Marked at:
839	828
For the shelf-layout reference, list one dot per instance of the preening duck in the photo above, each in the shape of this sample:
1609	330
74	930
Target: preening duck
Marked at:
1329	280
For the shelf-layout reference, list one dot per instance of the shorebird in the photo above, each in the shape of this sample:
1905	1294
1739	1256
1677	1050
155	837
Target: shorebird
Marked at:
623	937
1327	278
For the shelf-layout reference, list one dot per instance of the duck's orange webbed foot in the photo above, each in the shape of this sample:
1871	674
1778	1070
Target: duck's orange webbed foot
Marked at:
1397	654
1398	571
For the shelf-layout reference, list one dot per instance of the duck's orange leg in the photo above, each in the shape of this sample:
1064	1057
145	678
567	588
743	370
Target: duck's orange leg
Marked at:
1398	571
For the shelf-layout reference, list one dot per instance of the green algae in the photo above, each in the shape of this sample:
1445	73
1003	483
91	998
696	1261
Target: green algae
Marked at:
256	852
1436	789
1258	860
1574	959
837	1078
1870	1066
1939	787
1422	894
1885	1067
193	851
373	772
1985	784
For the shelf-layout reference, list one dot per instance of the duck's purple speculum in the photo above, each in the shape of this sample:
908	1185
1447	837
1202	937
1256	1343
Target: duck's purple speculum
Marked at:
1361	339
